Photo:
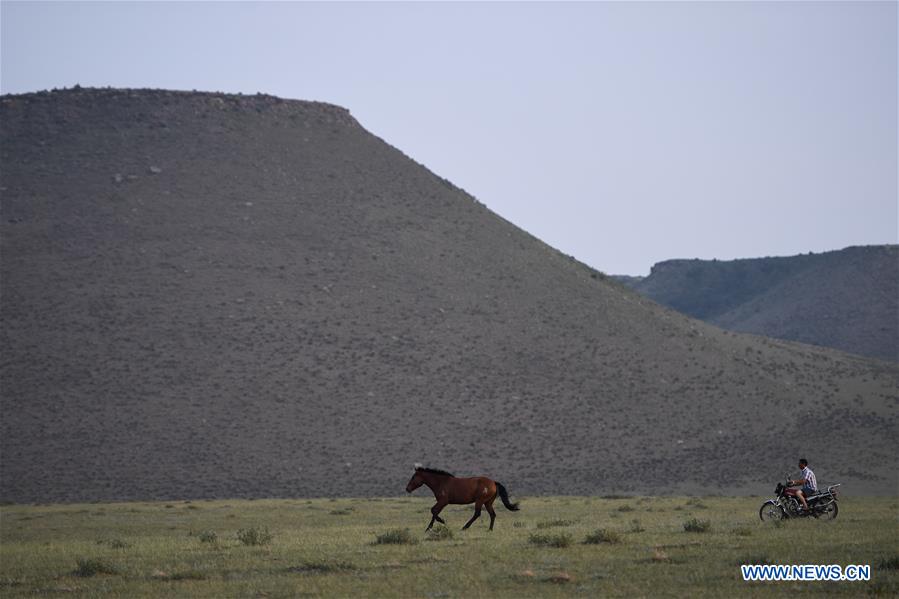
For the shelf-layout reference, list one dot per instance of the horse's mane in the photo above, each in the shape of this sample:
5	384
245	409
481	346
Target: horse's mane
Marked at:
433	471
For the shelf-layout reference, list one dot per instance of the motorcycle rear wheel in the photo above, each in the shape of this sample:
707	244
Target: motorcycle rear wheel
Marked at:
770	512
829	511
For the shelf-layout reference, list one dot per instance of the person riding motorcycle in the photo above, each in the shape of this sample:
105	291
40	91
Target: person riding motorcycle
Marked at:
808	481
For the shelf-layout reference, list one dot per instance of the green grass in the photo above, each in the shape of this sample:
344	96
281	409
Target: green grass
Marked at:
150	550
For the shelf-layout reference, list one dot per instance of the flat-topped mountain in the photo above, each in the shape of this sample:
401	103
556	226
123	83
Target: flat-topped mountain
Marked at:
209	295
847	299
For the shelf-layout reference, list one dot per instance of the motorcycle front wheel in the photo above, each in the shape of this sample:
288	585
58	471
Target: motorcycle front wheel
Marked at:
770	512
829	511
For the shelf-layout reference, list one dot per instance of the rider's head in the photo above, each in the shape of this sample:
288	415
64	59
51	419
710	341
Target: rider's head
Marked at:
803	462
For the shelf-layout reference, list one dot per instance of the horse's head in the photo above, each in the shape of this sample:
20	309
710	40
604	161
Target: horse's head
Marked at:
416	480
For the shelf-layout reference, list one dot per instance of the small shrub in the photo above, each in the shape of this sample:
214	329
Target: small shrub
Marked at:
208	536
696	525
635	526
399	536
93	566
625	508
603	535
519	524
743	532
548	540
552	523
114	543
889	563
254	536
440	533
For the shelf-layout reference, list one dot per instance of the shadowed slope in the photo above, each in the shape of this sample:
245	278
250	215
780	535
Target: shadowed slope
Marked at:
847	299
207	296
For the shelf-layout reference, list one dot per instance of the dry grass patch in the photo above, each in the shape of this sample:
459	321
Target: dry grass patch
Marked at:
659	555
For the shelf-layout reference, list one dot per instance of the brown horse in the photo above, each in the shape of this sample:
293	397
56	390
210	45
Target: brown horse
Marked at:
479	490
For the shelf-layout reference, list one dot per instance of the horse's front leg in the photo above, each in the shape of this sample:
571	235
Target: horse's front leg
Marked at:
435	511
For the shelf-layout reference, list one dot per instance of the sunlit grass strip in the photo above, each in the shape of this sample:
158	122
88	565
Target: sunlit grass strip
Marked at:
156	551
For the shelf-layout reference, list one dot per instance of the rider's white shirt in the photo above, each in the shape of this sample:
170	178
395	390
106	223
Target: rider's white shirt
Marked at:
809	476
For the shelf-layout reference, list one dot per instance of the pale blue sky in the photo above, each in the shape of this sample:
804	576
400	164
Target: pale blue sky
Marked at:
620	133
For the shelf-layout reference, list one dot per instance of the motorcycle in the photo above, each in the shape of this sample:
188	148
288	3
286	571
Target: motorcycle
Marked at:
786	504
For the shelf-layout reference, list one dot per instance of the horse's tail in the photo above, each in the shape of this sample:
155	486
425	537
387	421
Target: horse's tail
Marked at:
504	495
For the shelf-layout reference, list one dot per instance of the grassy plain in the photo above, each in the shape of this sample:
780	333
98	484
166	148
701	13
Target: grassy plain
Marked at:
553	547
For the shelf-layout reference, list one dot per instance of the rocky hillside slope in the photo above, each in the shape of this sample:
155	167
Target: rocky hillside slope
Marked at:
847	299
208	295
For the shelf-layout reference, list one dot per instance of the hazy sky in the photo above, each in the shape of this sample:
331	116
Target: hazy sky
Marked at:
620	133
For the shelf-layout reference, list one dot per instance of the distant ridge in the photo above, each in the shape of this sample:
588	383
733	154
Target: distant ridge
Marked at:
846	299
211	295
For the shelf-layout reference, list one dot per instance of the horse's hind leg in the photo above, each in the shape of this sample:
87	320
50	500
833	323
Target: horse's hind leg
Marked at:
489	506
477	514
